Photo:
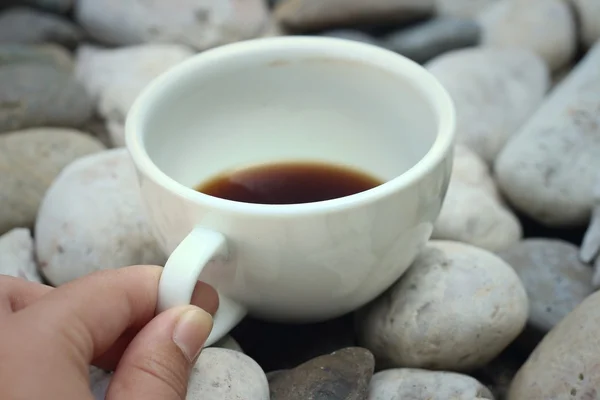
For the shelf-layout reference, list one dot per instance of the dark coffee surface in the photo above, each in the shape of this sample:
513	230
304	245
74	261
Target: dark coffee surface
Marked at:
289	183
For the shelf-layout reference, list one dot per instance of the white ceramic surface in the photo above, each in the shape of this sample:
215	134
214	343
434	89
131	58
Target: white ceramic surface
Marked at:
291	99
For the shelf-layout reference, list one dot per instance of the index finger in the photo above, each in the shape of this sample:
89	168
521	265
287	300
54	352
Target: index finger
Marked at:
91	314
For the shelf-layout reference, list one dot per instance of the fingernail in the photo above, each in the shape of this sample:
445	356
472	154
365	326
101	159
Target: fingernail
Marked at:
191	332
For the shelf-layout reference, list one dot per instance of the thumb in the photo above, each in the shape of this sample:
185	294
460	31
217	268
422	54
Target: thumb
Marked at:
157	363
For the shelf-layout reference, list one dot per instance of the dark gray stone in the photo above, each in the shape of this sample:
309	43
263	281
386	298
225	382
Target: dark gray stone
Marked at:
341	375
50	54
60	6
425	41
41	95
350	34
28	26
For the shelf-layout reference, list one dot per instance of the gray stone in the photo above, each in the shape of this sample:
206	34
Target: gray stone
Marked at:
419	384
354	35
40	95
549	169
565	364
222	374
30	160
462	8
546	27
92	218
455	309
495	91
197	23
555	280
312	15
51	54
589	16
17	258
60	6
425	41
27	26
344	374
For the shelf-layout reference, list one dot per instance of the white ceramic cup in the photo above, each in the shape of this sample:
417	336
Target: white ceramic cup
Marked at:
291	99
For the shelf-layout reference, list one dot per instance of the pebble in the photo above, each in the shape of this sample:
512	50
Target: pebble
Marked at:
548	170
495	91
310	15
354	35
565	364
92	218
222	374
30	160
546	27
473	211
50	54
35	95
419	384
555	280
200	24
28	26
60	6
455	309
425	41
344	374
588	12
99	381
17	258
462	8
115	77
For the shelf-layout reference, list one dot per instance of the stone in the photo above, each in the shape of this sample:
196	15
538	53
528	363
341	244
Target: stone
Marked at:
36	95
314	15
546	27
565	363
17	257
354	35
59	6
462	8
588	12
548	170
425	41
199	24
28	26
222	374
92	218
99	382
230	343
499	373
344	374
420	384
455	309
51	54
555	279
115	77
495	91
30	160
473	211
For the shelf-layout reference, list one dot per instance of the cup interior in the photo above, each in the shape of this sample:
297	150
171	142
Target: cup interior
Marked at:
292	99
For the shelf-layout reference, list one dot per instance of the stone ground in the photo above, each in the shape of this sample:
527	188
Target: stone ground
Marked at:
519	230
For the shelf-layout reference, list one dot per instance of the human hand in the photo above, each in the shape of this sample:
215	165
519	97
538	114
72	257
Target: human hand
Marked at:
50	336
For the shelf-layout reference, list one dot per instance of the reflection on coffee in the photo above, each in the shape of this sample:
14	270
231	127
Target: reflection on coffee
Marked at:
289	183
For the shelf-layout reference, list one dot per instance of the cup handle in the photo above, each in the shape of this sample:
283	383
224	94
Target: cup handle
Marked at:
182	271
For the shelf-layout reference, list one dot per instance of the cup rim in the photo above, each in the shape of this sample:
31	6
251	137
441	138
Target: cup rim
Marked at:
423	80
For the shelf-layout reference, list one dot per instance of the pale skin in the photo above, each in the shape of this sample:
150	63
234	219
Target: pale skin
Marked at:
50	336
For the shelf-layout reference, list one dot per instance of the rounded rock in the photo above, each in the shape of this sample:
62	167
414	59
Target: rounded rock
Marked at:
17	258
36	95
546	27
456	308
222	374
565	363
589	16
462	8
92	218
555	280
419	384
31	160
494	91
50	54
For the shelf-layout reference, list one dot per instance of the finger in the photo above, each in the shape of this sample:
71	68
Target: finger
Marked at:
157	363
87	316
204	297
17	293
